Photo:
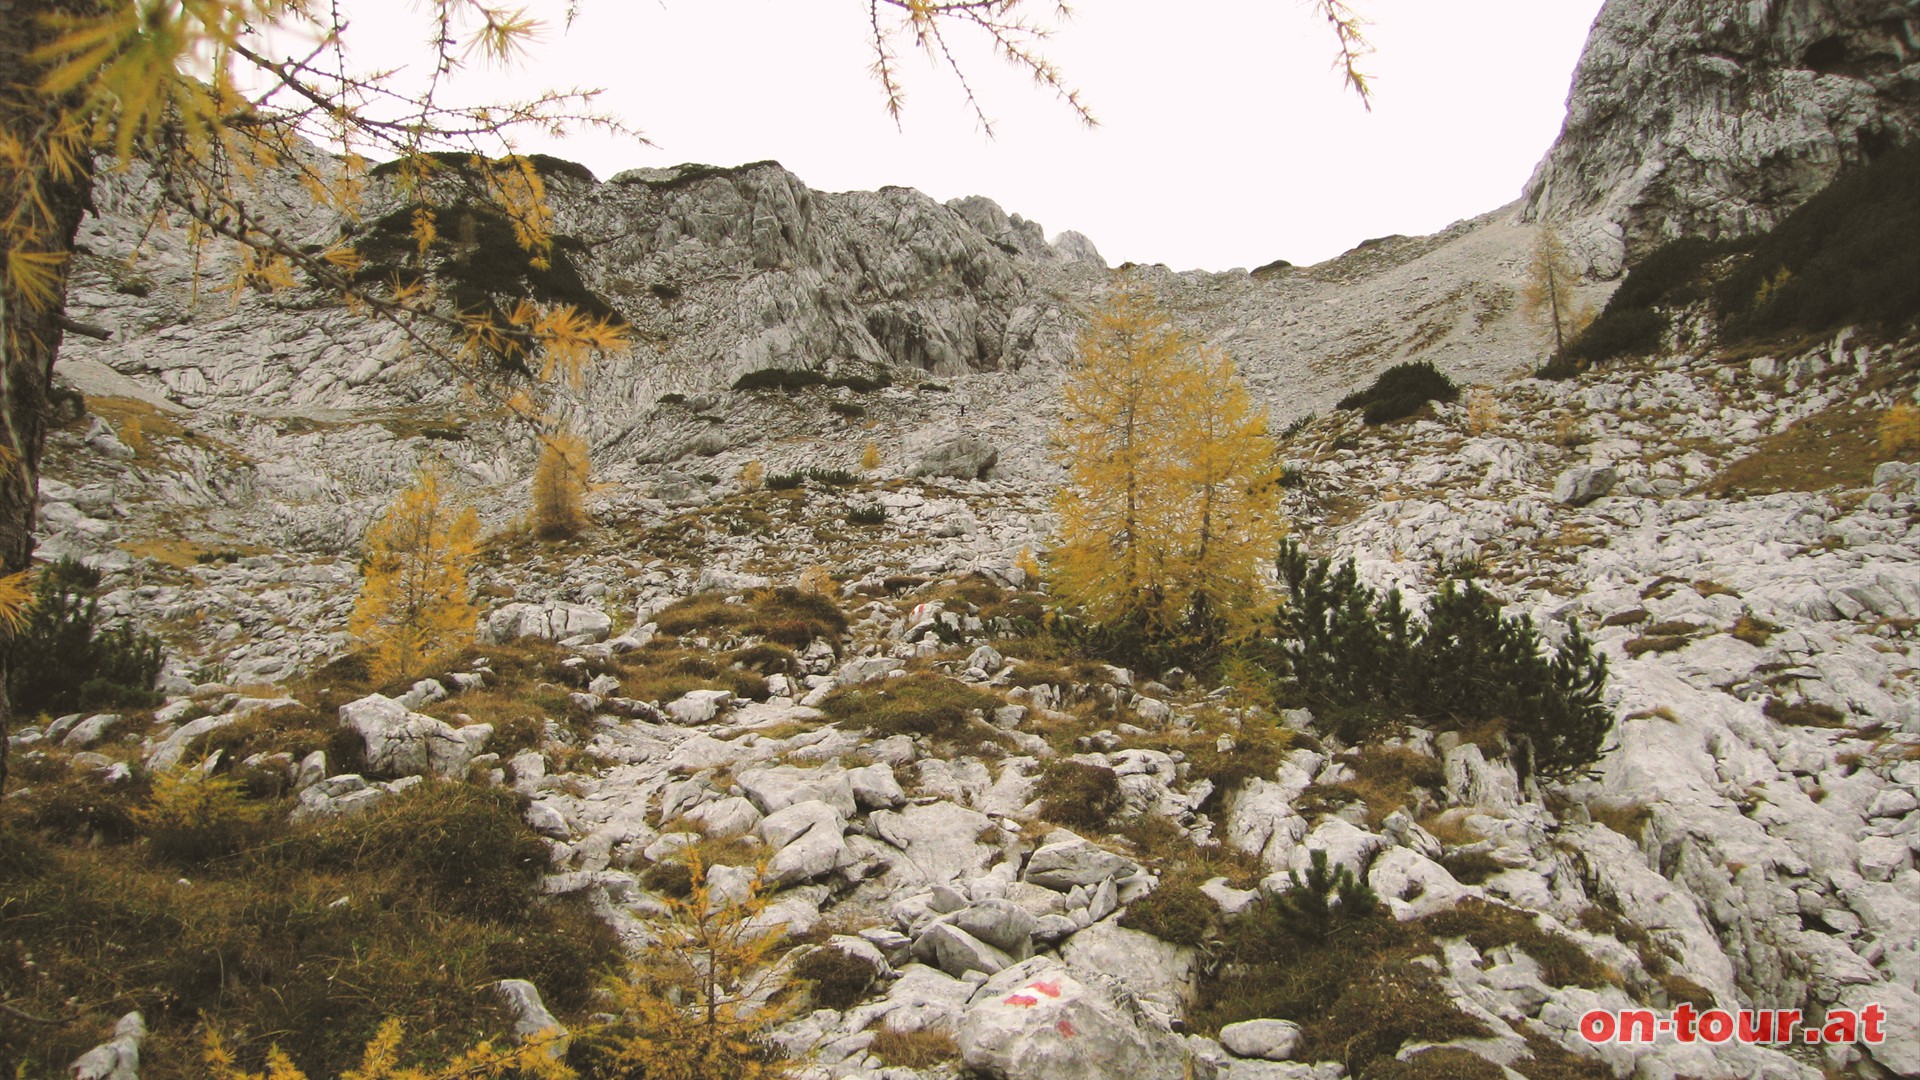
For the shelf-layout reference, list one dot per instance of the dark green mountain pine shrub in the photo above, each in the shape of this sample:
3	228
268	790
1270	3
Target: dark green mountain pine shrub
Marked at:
1400	391
1633	321
1329	897
1359	657
1849	254
62	661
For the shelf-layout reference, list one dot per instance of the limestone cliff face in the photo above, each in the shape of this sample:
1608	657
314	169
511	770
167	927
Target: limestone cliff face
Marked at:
754	270
1715	117
720	271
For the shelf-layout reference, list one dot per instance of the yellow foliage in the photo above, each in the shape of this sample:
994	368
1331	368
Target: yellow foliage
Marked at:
16	600
1770	287
533	1059
192	816
1483	412
560	485
1028	565
35	276
870	457
415	605
818	580
522	196
752	475
1170	500
1549	292
425	230
694	1005
134	434
1230	519
1899	429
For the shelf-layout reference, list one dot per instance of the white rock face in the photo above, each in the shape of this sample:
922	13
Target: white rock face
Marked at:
1414	886
116	1059
553	621
807	840
922	997
168	752
403	743
939	842
698	706
1045	1020
1155	971
1066	860
874	786
1653	147
777	788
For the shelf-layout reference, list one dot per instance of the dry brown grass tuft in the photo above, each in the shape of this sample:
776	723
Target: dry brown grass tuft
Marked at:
1804	713
923	1049
1627	819
1753	630
1078	795
1838	447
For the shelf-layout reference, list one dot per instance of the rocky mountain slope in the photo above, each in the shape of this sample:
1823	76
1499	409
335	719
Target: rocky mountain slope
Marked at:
1747	839
841	679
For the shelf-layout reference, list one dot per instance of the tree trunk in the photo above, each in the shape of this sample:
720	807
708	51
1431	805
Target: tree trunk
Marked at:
32	334
1553	296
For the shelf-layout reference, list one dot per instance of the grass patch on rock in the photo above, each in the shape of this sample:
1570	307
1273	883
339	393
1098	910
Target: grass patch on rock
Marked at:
1079	795
783	615
919	704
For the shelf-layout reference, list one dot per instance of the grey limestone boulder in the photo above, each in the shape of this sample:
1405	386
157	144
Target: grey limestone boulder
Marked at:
553	621
531	1017
698	706
1046	1020
1268	1040
808	840
957	952
1066	860
1583	484
403	743
116	1059
963	457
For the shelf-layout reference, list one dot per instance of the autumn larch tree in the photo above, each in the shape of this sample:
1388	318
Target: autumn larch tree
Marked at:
1170	501
1551	277
415	605
560	486
1116	525
1225	462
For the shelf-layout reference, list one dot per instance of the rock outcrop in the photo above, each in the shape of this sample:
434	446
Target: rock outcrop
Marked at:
1716	117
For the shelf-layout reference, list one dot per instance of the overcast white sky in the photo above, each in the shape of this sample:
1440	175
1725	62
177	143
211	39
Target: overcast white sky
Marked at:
1224	139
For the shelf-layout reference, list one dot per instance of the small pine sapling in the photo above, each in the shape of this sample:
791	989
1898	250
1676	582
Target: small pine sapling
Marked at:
1330	897
698	1002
